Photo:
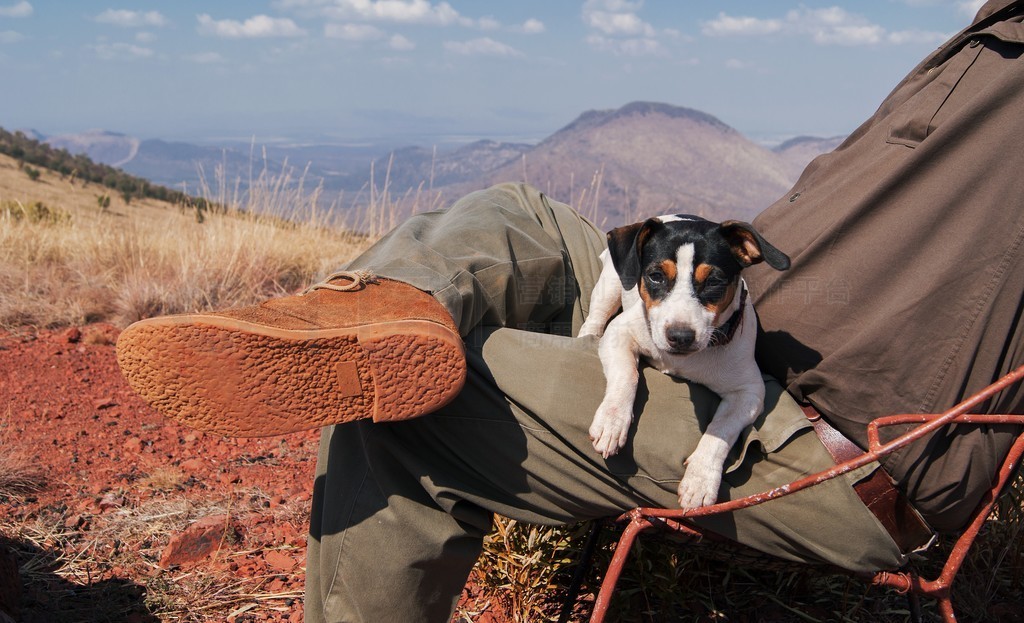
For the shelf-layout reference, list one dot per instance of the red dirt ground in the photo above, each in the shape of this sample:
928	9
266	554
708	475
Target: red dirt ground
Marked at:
104	457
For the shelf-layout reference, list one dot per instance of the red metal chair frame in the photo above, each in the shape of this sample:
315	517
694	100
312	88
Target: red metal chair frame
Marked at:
903	580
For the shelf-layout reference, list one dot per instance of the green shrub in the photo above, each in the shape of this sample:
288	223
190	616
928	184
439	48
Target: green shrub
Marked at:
35	212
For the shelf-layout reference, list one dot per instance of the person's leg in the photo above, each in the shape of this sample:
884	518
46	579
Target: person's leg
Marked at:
400	510
506	256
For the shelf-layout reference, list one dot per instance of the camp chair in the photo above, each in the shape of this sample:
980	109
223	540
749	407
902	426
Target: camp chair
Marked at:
904	580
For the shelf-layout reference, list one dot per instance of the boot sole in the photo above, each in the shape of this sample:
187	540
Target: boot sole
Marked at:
240	379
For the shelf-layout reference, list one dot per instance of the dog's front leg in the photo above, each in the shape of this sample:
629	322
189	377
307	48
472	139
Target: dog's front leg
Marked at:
619	357
736	411
605	300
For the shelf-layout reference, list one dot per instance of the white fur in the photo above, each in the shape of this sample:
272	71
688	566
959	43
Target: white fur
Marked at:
728	370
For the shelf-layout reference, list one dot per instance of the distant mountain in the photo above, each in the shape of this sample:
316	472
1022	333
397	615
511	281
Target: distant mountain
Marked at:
197	168
615	165
797	152
653	159
413	167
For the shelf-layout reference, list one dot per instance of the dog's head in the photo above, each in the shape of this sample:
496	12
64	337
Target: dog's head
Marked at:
687	270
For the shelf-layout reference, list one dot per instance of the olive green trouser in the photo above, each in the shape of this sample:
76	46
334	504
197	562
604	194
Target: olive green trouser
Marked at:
400	510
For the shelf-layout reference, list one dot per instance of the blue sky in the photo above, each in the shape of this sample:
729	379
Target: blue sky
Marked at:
352	70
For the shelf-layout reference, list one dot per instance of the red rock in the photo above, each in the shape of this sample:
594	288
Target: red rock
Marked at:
77	521
193	466
111	500
228	478
104	403
280	560
10	585
197	542
72	335
133	445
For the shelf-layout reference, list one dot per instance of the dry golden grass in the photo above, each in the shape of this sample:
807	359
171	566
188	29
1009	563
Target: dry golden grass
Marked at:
133	261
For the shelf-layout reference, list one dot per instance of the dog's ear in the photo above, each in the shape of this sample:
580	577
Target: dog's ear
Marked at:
624	245
750	248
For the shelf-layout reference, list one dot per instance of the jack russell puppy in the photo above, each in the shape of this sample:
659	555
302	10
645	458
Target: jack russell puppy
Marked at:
686	312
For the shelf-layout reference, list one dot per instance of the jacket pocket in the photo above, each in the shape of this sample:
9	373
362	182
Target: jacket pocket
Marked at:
913	122
920	115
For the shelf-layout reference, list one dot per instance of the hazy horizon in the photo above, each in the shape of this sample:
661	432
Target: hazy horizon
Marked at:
393	70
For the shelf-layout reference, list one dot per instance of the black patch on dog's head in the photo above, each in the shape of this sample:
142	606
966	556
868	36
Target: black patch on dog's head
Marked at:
720	251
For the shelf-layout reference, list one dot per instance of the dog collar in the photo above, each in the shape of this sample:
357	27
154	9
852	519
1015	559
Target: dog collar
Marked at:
722	335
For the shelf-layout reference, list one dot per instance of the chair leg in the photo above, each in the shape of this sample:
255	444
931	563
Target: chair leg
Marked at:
611	578
582	567
946	608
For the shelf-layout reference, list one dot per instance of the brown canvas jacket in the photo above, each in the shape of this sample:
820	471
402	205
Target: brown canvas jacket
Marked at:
907	244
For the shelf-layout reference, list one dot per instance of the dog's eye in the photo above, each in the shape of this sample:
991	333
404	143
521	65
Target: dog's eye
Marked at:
713	286
715	282
656	277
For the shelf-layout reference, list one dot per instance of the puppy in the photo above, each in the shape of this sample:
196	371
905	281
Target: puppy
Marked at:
685	310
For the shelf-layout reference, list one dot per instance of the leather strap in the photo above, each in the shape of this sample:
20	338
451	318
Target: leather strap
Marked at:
877	491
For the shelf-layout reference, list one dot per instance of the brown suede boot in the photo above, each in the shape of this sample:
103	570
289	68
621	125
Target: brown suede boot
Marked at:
349	348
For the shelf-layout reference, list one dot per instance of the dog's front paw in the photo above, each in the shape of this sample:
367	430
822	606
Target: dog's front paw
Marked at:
610	429
699	487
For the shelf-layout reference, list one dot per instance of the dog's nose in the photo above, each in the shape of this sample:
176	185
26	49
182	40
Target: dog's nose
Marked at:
680	338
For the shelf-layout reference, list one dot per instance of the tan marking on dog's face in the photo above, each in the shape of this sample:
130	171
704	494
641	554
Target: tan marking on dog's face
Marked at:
669	268
701	273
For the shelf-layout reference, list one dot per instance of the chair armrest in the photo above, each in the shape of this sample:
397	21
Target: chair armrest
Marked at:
930	422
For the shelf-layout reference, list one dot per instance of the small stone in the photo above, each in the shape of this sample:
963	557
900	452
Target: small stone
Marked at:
72	335
192	466
104	403
197	542
279	560
111	500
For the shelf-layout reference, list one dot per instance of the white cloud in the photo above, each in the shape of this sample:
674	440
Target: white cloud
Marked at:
400	43
145	37
121	51
617	27
532	27
353	32
424	12
625	24
205	58
131	19
728	25
401	11
735	63
826	26
21	9
627	47
484	46
616	18
834	25
10	36
256	26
